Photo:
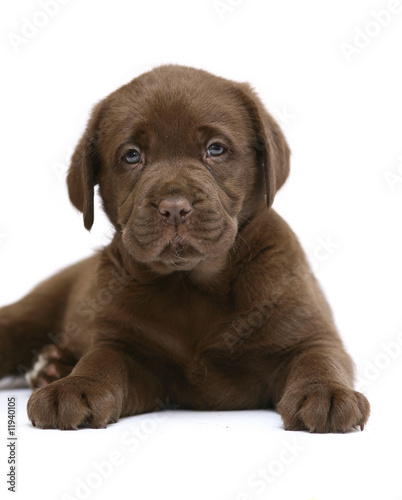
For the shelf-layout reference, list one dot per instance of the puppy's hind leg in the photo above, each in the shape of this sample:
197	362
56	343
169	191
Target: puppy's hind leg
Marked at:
52	364
26	324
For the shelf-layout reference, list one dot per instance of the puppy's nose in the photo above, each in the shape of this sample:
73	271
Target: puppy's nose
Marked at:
175	210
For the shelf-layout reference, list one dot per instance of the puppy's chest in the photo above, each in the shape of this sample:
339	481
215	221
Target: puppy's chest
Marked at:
188	313
180	323
200	342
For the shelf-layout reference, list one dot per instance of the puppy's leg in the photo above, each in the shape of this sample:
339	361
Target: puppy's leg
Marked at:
107	383
319	395
25	325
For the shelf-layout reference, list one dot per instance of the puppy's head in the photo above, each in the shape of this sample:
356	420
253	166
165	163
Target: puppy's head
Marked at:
182	159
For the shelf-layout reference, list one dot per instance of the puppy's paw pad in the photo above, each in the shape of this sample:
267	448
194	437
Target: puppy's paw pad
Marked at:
320	408
52	364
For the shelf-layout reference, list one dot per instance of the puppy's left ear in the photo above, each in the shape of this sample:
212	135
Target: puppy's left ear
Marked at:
84	167
272	149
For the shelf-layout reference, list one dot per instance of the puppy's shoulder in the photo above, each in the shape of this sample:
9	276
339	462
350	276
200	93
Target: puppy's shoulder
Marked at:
270	235
272	265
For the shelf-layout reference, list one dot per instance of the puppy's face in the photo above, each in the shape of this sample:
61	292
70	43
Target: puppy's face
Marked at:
179	162
179	158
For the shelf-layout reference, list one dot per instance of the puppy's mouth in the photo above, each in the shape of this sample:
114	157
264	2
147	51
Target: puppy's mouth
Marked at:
172	249
179	254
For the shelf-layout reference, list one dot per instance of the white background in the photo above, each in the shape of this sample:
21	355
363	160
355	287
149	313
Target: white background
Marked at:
342	117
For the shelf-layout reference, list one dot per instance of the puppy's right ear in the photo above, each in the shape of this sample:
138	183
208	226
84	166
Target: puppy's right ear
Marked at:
270	144
84	168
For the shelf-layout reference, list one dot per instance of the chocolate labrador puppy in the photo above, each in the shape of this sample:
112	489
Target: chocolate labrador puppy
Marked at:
204	298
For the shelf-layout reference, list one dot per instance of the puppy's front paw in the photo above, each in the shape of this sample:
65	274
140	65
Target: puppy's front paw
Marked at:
73	402
317	407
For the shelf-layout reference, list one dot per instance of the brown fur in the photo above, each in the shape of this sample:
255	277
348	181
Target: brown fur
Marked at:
219	312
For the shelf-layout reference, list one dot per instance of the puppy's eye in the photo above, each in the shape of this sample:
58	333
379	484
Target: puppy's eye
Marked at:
132	157
216	149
